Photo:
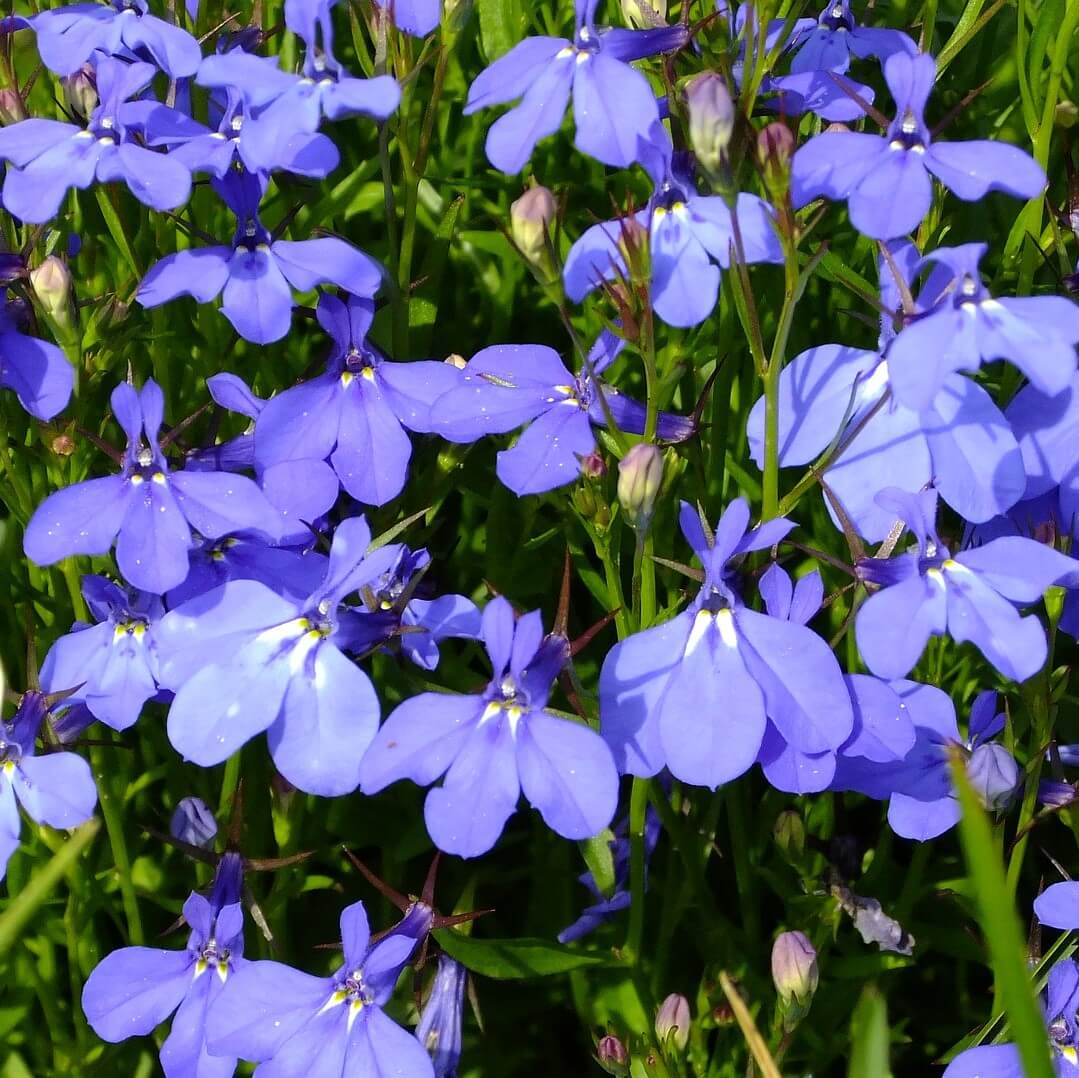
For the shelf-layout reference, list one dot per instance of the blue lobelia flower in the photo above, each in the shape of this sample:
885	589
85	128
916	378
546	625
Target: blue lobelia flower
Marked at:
505	386
285	1020
256	274
193	822
1058	905
68	36
971	595
922	802
885	179
960	441
882	731
48	157
439	1030
243	659
493	745
35	371
837	37
416	17
688	235
112	665
356	413
696	693
133	990
148	511
613	105
1062	1025
395	610
56	789
967	327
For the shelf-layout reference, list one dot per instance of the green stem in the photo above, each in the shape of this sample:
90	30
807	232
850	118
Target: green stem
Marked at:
114	826
638	803
230	780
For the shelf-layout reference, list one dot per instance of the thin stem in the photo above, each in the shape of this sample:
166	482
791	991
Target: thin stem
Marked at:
638	803
114	827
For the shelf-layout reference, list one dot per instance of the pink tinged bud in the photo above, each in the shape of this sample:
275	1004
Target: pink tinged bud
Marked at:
672	1022
530	223
593	466
711	118
794	968
51	283
80	91
775	148
640	475
12	109
612	1056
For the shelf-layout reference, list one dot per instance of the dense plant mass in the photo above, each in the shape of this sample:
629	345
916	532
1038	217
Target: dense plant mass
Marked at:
388	454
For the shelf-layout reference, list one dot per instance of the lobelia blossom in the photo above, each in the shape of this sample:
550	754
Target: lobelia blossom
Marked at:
961	442
505	386
56	789
68	36
971	595
830	45
690	239
416	17
147	510
922	802
967	327
494	745
134	989
243	659
256	274
36	371
613	104
48	157
1062	1032
285	1020
696	693
439	1030
885	179
1058	905
355	414
111	666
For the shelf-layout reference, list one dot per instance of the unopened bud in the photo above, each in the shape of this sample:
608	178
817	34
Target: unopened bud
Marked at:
530	223
711	119
63	445
612	1056
645	14
640	475
12	109
80	91
193	822
775	148
794	973
790	835
51	285
593	466
672	1022
994	774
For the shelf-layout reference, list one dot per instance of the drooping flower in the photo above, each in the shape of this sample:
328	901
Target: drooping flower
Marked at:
356	413
971	595
285	1019
505	386
147	510
960	441
256	274
48	157
613	104
68	36
243	659
922	802
36	371
1059	1009
690	238
439	1030
494	745
133	990
885	179
696	693
55	789
111	666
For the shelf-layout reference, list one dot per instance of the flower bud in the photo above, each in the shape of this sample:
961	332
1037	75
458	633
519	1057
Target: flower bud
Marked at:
439	1030
12	109
63	445
593	466
640	475
80	91
775	148
711	119
645	14
994	775
672	1022
193	822
612	1056
530	223
794	973
790	835
51	285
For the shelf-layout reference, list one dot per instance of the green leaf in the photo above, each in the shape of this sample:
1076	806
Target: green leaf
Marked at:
1001	928
116	228
517	959
502	24
599	857
869	1036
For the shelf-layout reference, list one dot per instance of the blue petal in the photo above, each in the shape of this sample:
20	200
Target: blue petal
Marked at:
510	76
217	503
972	169
547	455
133	990
512	137
894	625
1058	906
613	107
327	260
372	454
200	273
379	1048
685	283
256	298
184	1053
793	771
155	179
596	256
154	538
301	423
893	198
57	789
80	519
987	1061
